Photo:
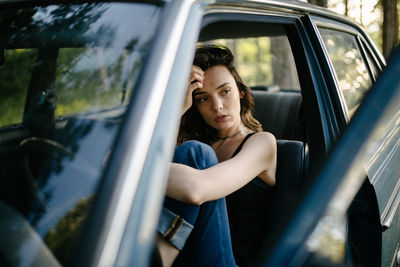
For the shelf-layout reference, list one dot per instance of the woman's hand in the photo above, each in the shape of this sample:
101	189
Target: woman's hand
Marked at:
195	81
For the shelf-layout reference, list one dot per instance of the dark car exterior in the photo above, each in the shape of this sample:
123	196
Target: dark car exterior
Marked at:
90	98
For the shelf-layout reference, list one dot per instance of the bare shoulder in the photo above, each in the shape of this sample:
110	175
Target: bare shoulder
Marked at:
263	138
261	141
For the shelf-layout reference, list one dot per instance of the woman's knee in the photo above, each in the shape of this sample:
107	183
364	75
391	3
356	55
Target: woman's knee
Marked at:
195	154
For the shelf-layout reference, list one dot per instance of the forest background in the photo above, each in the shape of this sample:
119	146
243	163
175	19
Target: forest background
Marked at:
380	18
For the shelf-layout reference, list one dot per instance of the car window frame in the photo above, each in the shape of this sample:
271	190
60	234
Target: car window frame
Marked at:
126	185
317	105
331	103
368	54
332	25
359	36
172	51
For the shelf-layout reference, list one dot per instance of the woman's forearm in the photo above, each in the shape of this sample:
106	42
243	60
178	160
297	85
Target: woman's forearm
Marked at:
184	183
198	186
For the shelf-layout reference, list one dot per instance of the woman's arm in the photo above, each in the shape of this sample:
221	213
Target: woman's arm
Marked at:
258	155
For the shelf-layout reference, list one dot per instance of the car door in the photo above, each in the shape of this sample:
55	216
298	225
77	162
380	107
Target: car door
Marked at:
68	72
356	67
343	172
139	167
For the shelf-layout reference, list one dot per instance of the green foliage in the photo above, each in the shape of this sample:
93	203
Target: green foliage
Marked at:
254	61
86	79
62	239
91	79
14	81
264	61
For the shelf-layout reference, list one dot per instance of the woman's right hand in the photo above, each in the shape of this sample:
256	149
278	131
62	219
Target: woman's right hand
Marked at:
195	81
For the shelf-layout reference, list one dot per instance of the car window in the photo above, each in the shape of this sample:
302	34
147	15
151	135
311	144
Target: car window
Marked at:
350	68
68	73
265	62
12	97
371	62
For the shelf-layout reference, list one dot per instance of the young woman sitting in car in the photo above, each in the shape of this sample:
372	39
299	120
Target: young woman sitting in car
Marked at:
222	148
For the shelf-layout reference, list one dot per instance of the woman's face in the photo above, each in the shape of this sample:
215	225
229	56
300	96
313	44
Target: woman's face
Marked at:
219	100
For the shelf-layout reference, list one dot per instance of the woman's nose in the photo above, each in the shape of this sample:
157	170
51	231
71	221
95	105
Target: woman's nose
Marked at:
217	104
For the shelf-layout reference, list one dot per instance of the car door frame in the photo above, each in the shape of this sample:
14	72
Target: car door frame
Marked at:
133	186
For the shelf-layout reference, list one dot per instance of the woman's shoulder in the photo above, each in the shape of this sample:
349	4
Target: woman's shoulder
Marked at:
261	140
263	136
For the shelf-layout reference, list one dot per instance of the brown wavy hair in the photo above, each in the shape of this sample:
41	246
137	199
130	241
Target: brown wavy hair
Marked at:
192	126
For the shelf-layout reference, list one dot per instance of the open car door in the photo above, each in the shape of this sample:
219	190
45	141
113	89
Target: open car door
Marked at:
338	182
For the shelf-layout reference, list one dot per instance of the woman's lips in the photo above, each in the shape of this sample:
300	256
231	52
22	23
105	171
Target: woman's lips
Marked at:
221	118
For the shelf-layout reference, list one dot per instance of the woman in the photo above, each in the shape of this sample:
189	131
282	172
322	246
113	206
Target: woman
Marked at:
217	112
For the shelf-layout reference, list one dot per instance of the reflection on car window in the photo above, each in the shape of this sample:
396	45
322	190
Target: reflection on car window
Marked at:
94	78
67	77
14	79
265	61
351	71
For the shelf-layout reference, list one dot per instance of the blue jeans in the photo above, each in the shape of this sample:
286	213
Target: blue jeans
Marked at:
209	242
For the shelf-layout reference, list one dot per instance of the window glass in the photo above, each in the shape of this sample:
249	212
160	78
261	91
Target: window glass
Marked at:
67	76
265	62
14	79
351	70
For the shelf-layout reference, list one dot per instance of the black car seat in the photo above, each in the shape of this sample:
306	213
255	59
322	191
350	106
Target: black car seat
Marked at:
279	113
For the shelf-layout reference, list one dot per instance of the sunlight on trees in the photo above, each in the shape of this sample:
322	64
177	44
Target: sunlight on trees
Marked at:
370	14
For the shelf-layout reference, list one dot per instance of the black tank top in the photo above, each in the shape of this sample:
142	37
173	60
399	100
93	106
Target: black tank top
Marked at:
247	216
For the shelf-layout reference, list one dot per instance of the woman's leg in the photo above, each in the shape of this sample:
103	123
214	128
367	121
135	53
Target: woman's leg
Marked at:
208	241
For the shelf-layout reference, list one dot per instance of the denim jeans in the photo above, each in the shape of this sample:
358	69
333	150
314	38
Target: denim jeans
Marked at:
209	242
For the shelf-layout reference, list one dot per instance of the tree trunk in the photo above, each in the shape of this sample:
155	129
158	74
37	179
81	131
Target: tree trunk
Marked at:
323	3
390	28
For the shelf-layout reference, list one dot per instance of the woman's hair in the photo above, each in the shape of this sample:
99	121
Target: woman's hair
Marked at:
192	124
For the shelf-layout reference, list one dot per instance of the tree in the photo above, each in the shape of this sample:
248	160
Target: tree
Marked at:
390	26
323	3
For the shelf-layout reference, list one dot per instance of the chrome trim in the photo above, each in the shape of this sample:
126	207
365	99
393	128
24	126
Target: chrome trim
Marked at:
302	7
382	167
248	11
334	25
391	207
378	173
166	45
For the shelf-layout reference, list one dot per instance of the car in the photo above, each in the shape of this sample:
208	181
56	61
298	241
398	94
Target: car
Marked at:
90	97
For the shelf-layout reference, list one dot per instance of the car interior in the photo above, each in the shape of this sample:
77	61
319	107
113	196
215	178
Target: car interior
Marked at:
278	107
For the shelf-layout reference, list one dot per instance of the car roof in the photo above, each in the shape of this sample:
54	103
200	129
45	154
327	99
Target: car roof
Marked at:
293	6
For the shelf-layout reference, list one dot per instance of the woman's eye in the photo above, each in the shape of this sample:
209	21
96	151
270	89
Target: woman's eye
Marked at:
201	99
226	91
